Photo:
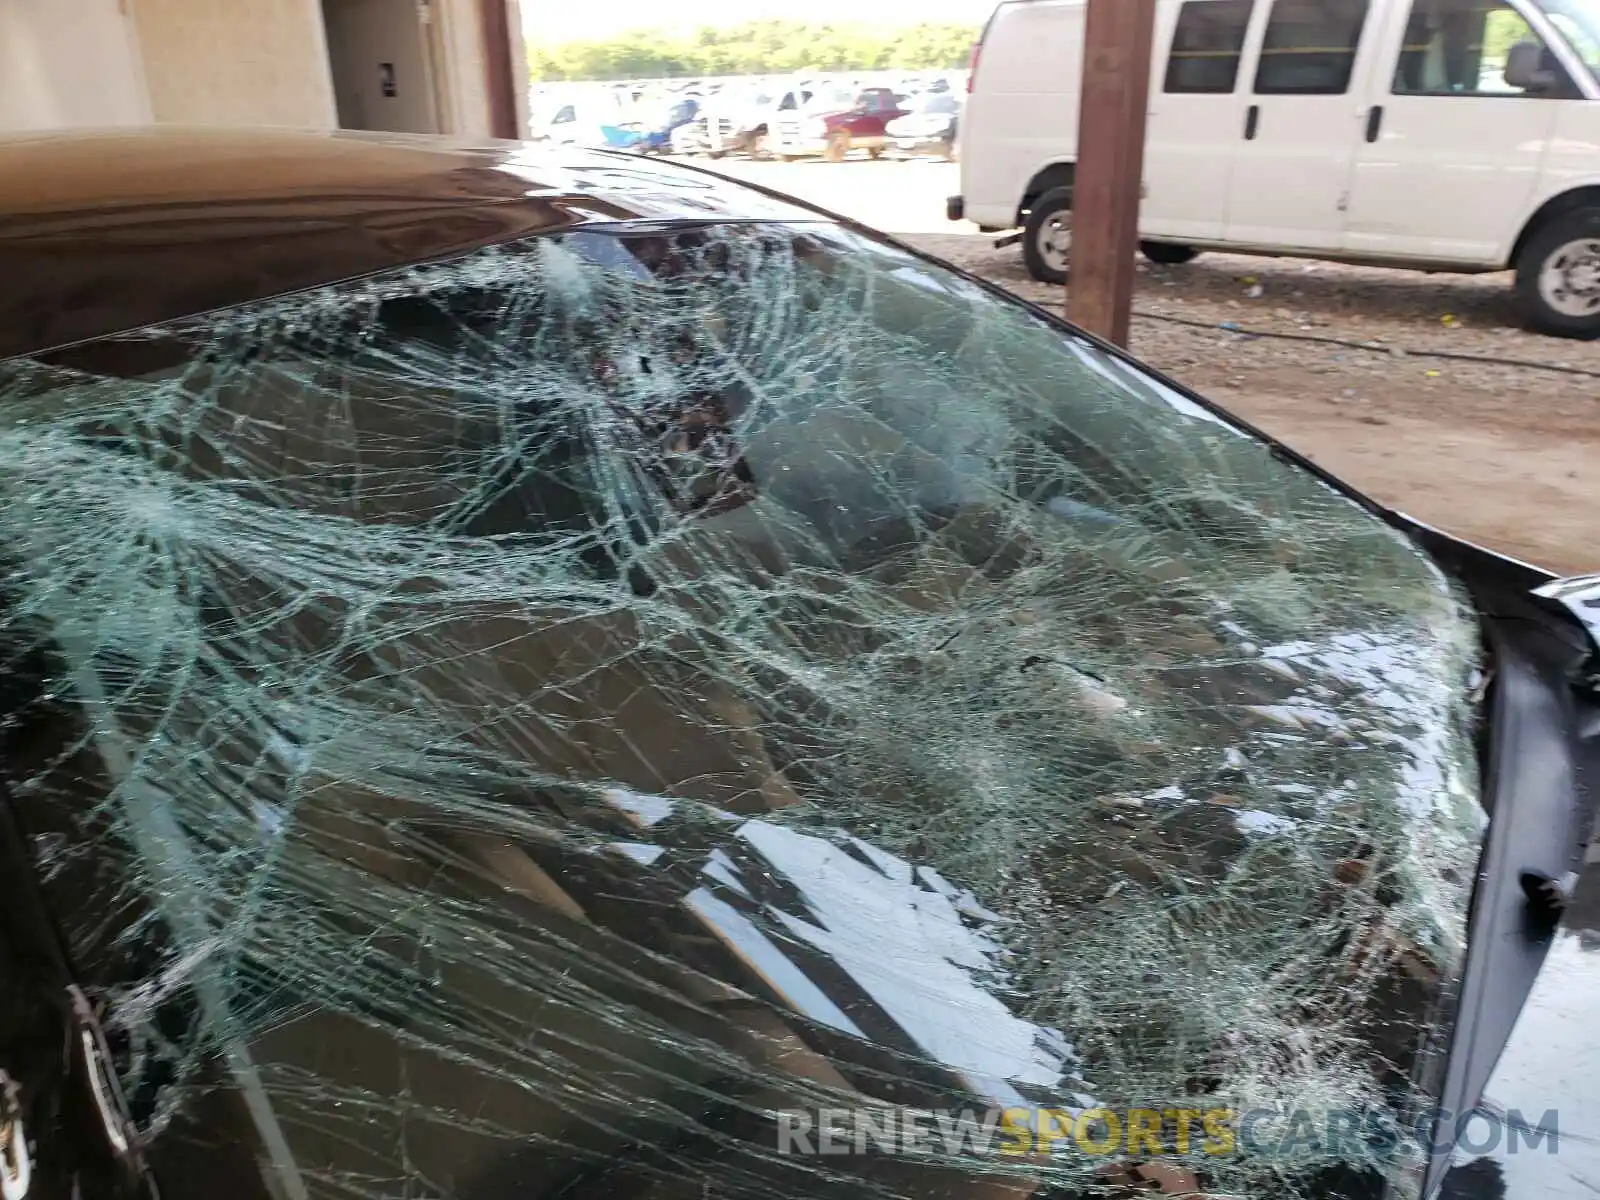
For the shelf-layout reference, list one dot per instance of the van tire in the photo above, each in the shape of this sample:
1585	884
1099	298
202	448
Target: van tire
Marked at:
1558	276
1168	254
1041	229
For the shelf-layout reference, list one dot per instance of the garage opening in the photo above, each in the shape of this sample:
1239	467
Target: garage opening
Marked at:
385	65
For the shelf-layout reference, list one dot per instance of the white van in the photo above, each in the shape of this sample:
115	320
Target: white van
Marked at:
1446	135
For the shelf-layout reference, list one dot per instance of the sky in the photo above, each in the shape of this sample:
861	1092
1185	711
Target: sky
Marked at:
568	20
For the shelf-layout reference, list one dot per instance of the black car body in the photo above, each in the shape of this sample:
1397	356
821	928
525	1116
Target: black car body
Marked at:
531	677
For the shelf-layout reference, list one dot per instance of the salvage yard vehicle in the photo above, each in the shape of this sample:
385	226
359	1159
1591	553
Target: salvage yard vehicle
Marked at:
1442	135
746	128
652	132
929	127
833	123
580	118
543	674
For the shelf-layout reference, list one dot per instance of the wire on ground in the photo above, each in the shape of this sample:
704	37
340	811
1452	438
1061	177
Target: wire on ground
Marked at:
1371	347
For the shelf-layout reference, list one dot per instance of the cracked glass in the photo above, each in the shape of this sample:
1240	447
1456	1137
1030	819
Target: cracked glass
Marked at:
530	725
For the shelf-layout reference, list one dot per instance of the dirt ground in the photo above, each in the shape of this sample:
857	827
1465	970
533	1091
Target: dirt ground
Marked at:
1507	456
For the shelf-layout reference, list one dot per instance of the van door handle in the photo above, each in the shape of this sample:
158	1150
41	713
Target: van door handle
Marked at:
1374	122
1252	118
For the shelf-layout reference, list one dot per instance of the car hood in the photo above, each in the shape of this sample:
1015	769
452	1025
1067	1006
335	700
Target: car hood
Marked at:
1579	596
1539	1135
1515	1118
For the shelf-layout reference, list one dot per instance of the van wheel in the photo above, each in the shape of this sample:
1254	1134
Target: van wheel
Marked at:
1168	254
1558	276
838	145
1047	236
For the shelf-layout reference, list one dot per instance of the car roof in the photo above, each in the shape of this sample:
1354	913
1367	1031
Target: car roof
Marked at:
107	231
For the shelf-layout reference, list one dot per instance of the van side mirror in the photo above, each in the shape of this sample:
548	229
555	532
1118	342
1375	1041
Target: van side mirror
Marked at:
1530	67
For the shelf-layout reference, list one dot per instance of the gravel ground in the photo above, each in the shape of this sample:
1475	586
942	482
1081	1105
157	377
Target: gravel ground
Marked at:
1507	456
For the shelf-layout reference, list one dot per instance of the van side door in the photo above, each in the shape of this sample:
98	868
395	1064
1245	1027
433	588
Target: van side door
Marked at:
1452	151
1197	94
1301	123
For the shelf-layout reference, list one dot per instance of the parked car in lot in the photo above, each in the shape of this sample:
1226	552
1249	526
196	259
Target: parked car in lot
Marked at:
928	127
1446	135
744	127
550	674
833	123
652	132
580	118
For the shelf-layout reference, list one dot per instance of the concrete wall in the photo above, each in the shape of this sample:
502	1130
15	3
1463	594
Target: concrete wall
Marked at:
461	40
465	72
519	68
69	62
366	38
223	62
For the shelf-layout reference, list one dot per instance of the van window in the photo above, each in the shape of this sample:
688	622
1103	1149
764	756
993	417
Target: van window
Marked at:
1310	47
1460	48
1579	22
1206	45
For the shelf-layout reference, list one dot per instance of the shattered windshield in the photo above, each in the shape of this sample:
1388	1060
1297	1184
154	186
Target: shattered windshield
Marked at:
563	722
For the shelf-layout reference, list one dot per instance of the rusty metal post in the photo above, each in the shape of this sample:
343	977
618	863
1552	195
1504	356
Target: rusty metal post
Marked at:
1105	196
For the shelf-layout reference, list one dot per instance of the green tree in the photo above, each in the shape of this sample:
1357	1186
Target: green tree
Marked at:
755	47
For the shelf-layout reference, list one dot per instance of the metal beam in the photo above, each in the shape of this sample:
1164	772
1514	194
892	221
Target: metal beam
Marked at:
1105	195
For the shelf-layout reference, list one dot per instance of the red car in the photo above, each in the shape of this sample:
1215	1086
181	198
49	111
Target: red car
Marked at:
835	123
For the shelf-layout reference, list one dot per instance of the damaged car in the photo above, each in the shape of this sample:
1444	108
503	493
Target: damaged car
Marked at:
929	128
539	676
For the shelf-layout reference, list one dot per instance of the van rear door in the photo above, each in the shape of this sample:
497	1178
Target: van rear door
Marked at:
1022	115
1296	140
